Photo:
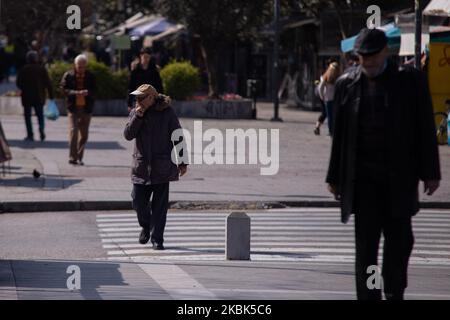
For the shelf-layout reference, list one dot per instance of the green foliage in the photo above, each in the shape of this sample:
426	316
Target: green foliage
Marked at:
110	84
180	79
56	72
222	21
219	24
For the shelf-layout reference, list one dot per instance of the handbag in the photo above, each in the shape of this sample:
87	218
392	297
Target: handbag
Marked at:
51	111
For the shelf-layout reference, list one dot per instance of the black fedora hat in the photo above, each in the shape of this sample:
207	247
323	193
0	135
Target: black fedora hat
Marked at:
370	41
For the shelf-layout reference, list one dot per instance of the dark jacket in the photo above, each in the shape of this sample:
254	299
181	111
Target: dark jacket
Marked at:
152	161
412	150
34	82
140	76
69	84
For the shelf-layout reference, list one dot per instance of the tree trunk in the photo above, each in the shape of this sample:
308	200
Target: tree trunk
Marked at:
210	57
340	20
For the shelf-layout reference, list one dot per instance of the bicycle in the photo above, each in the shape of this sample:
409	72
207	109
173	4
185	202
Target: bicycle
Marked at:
441	124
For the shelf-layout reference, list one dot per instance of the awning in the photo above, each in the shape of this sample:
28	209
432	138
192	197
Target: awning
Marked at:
173	31
152	28
438	8
392	33
133	22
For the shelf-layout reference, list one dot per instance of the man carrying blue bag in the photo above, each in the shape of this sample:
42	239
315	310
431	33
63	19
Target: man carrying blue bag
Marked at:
34	82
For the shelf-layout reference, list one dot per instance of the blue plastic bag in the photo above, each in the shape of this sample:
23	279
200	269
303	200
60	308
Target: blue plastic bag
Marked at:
51	111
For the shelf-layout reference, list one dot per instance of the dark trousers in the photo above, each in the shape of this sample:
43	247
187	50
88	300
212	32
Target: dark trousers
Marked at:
329	111
323	114
152	215
39	111
373	218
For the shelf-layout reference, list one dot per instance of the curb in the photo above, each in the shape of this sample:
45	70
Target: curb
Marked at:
60	206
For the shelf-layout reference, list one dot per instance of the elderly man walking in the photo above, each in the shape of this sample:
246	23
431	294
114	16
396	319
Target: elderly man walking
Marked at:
79	88
151	124
384	143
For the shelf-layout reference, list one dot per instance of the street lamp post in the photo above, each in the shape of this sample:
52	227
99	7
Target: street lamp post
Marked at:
275	76
418	34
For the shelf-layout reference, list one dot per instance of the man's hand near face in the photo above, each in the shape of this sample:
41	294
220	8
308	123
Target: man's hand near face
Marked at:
140	110
142	105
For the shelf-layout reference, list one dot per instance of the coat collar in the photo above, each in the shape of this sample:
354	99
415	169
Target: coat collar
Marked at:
354	75
162	103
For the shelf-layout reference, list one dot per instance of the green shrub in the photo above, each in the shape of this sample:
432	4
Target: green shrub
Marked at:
110	84
180	79
56	72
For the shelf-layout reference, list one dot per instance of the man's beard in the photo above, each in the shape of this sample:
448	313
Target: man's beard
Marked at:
374	74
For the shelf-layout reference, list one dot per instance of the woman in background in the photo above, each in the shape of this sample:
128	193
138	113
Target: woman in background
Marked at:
326	94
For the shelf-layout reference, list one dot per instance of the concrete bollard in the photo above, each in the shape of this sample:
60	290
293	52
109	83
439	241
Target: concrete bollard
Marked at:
238	236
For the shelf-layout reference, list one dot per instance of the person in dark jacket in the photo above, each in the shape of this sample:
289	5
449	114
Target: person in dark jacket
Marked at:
146	72
151	124
35	84
384	143
79	89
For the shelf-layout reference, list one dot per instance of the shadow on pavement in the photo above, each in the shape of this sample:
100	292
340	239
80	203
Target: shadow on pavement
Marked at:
47	182
222	251
38	280
26	182
98	145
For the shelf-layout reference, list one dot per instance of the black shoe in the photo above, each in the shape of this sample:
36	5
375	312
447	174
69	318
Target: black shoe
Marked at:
28	139
73	162
317	131
43	136
394	296
80	162
158	246
144	237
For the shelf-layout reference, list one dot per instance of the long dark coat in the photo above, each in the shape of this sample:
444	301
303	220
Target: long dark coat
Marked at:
34	82
412	144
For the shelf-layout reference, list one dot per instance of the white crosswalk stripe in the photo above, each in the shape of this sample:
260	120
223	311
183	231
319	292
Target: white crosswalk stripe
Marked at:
303	234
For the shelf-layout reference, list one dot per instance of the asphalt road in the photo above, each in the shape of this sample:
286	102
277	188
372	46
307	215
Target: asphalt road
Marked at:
296	254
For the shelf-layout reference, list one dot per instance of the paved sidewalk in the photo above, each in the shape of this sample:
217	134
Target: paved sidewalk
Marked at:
295	254
106	175
101	280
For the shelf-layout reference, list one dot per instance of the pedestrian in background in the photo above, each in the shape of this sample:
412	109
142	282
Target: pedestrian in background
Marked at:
352	62
34	82
79	89
323	113
151	124
326	94
146	72
384	143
